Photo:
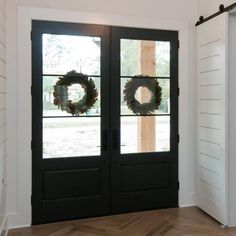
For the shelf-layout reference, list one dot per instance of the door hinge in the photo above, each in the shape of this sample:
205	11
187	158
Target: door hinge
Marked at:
31	90
178	185
178	44
178	138
31	35
31	144
178	91
31	199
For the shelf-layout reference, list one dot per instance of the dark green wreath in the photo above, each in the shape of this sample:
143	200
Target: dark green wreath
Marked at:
131	88
61	93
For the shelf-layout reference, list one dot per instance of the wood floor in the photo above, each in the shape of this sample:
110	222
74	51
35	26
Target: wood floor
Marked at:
168	222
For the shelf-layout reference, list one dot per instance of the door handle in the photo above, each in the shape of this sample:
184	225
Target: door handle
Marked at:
115	139
104	140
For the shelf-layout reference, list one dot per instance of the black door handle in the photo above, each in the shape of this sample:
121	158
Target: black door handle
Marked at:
104	140
115	139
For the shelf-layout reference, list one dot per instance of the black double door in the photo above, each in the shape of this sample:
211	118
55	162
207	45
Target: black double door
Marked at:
112	156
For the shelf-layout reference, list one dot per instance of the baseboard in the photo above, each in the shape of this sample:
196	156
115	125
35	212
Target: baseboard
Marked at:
187	199
187	205
17	221
4	227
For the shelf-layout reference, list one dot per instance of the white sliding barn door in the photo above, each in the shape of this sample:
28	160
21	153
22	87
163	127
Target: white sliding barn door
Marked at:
212	118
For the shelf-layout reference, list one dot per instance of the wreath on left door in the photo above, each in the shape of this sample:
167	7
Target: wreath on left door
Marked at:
61	97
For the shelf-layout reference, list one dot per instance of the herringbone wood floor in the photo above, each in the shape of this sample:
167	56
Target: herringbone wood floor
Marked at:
168	222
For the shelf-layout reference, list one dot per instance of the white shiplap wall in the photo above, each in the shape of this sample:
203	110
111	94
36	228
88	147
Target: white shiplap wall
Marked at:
2	116
212	104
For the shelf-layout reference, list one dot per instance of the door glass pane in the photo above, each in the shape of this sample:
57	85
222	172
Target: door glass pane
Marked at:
75	94
133	53
145	96
63	53
145	134
71	137
79	135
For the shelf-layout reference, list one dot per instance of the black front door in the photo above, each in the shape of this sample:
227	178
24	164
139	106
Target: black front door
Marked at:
104	120
144	158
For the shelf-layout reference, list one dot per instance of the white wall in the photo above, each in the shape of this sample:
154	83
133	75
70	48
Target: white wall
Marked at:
156	14
208	7
3	96
168	9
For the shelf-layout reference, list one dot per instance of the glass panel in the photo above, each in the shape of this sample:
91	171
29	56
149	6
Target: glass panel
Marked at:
63	137
143	95
138	55
63	53
145	134
75	93
129	57
163	59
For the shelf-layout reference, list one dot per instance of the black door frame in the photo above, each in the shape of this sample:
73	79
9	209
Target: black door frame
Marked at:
110	123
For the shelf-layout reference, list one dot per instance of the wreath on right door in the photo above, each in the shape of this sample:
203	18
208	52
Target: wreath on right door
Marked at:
131	88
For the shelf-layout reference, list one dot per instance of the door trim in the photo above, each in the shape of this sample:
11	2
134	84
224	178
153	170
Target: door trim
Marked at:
20	178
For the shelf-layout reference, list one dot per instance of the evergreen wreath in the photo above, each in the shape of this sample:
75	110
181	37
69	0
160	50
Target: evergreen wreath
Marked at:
61	93
131	88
